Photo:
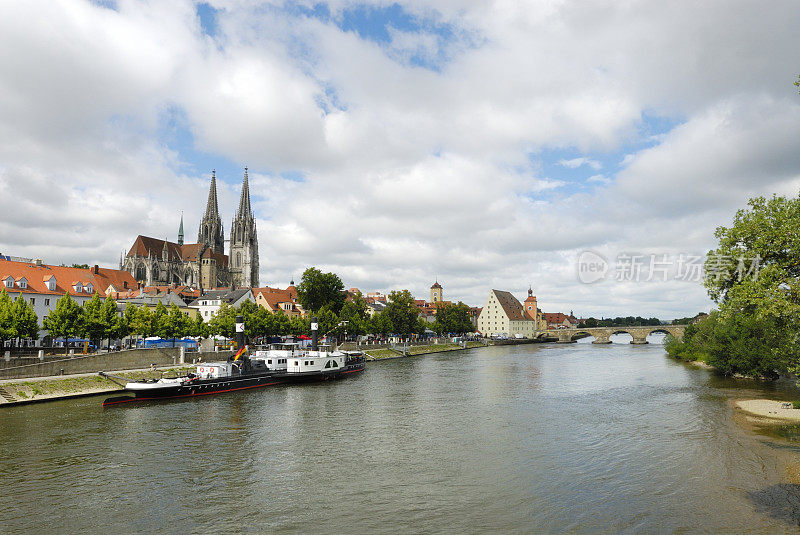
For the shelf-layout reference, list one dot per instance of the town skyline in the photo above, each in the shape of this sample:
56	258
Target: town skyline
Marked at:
488	146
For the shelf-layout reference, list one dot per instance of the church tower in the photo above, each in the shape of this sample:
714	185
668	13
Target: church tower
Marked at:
211	232
180	231
244	243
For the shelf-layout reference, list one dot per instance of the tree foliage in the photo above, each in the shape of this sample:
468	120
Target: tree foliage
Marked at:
66	320
318	289
753	275
453	318
403	313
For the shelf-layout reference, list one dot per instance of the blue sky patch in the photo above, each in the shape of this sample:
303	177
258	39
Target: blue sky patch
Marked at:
208	19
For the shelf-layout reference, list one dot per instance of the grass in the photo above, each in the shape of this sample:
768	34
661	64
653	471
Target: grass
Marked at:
382	353
76	385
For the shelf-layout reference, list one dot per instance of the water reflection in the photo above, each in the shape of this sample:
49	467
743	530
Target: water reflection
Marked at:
543	438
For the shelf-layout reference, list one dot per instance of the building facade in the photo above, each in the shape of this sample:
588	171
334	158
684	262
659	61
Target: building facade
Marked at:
43	285
504	315
155	262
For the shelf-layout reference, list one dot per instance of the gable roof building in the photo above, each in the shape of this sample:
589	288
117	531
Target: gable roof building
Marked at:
503	314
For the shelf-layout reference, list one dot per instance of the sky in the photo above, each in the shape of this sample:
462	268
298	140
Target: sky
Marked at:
586	150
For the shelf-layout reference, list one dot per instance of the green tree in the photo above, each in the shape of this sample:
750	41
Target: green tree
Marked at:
174	324
753	275
144	322
403	312
300	326
354	312
115	325
7	328
318	289
223	322
453	318
380	323
127	321
199	327
66	320
329	322
26	323
95	326
282	323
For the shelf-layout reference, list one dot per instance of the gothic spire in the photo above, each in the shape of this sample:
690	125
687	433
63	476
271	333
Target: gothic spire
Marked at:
212	208
180	231
244	200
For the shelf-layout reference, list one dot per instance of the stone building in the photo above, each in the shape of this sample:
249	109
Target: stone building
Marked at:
504	315
155	262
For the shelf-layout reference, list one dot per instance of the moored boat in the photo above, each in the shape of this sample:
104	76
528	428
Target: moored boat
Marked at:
282	363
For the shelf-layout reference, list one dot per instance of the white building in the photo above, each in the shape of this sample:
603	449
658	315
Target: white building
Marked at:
503	314
42	285
208	304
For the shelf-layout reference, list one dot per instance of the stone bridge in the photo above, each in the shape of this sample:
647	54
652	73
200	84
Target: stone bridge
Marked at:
602	334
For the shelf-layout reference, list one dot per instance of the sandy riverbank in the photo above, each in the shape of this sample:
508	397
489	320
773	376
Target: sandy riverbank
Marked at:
768	410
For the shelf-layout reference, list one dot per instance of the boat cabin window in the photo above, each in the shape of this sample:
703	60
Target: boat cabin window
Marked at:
312	362
328	364
334	364
269	361
295	363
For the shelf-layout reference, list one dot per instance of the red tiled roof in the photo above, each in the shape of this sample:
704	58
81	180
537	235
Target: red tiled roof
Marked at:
275	296
511	306
66	278
556	317
147	246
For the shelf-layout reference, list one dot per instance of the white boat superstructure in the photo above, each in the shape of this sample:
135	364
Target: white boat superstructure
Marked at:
322	360
276	356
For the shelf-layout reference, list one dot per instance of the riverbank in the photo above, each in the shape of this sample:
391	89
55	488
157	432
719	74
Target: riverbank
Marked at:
33	390
768	411
415	351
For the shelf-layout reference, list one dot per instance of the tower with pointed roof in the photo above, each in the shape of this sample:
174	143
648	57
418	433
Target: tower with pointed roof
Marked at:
180	232
211	232
243	256
437	292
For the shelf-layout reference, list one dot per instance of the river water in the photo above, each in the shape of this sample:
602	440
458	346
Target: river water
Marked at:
544	438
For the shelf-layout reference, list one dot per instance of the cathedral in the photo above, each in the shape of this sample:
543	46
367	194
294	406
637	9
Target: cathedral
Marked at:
204	264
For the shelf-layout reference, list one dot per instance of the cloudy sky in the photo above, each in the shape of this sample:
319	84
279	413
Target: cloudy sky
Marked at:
484	143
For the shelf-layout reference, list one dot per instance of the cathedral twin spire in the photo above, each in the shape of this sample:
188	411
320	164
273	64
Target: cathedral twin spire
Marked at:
243	256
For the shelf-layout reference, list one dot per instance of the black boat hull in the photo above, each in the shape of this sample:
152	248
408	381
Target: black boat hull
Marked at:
202	387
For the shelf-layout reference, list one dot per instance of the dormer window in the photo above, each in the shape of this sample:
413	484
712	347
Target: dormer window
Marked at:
9	281
78	287
51	283
89	288
23	283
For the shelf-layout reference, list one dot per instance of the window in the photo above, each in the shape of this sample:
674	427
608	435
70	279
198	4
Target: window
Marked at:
9	282
23	283
269	361
47	302
51	284
306	363
33	300
334	364
89	288
328	364
295	363
312	362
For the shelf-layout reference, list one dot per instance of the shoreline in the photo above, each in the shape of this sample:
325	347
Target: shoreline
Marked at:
767	411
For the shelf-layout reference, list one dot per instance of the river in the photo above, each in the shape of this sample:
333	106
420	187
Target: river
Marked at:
543	438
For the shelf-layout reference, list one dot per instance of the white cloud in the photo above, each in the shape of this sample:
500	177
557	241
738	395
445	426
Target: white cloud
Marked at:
574	163
409	172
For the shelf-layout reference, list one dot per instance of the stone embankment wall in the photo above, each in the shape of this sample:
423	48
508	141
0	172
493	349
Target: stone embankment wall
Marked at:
116	360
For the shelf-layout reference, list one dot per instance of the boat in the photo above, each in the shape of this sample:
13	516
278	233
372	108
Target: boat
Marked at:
277	364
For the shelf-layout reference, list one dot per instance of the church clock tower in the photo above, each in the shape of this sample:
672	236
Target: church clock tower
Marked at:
244	243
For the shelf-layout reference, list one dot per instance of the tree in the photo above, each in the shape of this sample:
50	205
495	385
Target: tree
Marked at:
199	327
300	326
126	322
381	323
115	325
754	277
173	324
328	322
95	326
282	323
7	328
354	312
453	318
318	289
26	323
403	312
66	320
223	322
143	322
